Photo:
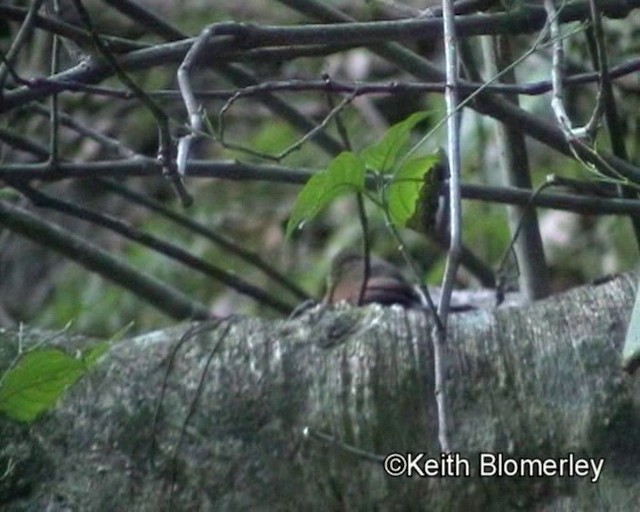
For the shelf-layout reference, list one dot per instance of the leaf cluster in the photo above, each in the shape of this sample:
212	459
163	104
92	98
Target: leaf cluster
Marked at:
402	182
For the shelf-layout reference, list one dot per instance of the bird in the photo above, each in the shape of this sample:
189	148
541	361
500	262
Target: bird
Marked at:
386	284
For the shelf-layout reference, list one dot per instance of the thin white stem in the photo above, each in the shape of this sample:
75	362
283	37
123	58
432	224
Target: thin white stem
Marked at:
186	90
453	124
453	257
557	65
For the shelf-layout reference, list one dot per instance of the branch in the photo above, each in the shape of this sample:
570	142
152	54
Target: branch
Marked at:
250	257
167	249
239	171
19	41
515	171
92	71
165	298
165	147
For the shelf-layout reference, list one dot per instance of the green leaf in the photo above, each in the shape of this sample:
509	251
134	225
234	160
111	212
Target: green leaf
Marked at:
39	378
91	357
412	196
382	156
345	174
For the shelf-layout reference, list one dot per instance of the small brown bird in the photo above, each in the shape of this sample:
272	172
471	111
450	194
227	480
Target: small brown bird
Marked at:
386	284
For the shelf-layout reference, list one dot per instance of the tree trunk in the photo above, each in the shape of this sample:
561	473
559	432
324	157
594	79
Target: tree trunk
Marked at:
221	426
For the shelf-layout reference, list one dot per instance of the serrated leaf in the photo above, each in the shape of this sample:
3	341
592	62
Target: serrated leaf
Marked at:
345	174
382	156
410	196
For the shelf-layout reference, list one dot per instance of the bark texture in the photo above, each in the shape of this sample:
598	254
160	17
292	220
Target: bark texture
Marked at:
211	416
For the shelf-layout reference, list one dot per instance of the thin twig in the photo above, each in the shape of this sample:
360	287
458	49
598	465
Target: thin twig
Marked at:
19	41
109	143
165	147
297	144
536	88
54	117
189	334
616	136
194	109
455	217
557	72
513	161
193	405
362	212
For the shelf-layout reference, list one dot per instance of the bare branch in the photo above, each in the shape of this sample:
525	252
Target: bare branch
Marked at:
170	301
